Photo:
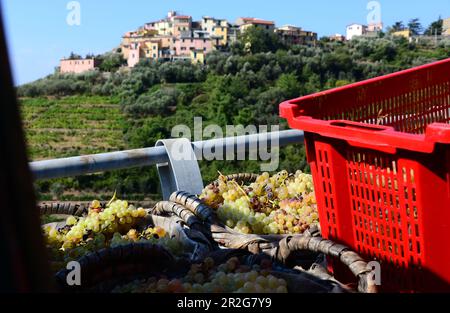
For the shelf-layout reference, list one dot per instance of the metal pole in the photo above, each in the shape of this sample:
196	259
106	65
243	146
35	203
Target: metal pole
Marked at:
95	163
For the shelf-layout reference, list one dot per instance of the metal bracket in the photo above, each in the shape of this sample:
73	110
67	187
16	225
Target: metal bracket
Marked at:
181	172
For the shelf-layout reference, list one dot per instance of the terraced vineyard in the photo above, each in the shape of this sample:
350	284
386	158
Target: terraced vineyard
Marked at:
72	126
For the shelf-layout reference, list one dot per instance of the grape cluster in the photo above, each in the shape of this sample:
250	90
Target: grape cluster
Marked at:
278	204
230	277
117	216
156	235
103	227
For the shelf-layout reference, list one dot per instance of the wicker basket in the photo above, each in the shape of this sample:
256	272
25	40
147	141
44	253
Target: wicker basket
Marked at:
65	208
111	267
225	236
196	245
106	268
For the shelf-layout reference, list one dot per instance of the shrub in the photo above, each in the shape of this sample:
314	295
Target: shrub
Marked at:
154	103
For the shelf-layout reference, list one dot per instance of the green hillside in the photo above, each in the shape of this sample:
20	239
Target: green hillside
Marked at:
72	126
69	114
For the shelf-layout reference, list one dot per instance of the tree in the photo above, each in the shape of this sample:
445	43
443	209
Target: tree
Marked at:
111	62
398	26
256	40
74	56
289	84
415	26
159	102
435	28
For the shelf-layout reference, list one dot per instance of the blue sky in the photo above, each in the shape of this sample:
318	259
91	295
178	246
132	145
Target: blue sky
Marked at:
39	35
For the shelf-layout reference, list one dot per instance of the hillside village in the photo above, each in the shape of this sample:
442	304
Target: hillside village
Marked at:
179	37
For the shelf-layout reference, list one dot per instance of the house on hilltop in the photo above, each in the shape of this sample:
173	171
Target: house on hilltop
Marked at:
193	41
217	28
337	37
78	66
293	35
245	23
356	30
446	27
172	25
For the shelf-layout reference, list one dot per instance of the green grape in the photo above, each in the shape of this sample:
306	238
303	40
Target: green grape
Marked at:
278	204
109	227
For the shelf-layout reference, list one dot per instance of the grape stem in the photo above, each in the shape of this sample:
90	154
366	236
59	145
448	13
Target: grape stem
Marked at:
114	197
236	184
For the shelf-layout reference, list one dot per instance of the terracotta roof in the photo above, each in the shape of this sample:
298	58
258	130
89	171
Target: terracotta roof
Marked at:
251	20
259	23
181	16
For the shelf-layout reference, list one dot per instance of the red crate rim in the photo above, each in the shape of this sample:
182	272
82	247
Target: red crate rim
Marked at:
379	137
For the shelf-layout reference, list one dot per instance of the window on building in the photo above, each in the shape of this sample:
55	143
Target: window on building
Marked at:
154	47
154	55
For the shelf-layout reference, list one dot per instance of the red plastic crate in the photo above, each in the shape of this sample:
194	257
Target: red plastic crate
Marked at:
379	152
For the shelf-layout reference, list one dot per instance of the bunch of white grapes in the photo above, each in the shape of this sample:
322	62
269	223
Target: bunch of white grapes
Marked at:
230	277
278	204
106	221
101	228
156	235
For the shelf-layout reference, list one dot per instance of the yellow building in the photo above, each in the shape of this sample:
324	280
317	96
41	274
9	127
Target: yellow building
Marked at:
198	56
151	48
446	27
218	28
162	27
165	41
403	33
221	30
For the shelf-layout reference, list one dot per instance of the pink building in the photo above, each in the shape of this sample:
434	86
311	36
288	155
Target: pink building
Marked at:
135	54
181	23
77	66
185	44
375	27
